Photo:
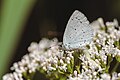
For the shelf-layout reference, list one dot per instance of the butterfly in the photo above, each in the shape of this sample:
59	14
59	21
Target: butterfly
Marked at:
78	32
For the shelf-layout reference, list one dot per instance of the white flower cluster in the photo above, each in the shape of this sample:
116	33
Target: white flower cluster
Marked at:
94	60
89	64
45	55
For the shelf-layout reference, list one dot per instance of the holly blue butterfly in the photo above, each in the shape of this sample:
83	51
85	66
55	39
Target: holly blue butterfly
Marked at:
78	32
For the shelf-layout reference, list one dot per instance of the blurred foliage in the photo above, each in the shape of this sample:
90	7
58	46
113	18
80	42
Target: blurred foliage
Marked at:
12	18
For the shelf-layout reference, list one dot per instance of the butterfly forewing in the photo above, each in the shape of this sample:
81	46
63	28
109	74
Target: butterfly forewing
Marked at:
78	32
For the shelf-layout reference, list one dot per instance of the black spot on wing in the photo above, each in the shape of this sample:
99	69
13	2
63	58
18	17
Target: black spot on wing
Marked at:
76	18
83	31
80	21
84	41
69	46
65	44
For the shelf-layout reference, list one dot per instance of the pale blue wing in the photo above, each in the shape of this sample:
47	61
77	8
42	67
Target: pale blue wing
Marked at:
78	32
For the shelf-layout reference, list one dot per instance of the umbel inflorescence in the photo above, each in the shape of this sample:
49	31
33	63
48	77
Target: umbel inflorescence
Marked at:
99	60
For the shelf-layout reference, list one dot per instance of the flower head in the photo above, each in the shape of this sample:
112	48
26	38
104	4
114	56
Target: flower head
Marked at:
91	63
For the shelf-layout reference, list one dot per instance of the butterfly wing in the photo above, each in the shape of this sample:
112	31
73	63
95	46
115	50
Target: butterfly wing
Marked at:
78	32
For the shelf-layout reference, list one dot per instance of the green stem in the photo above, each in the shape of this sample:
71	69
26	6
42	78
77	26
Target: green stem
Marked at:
109	60
116	66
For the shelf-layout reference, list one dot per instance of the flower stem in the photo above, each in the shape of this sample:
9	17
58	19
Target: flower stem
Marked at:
116	66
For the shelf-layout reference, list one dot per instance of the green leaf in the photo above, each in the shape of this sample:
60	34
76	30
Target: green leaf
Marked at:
12	18
118	58
117	44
